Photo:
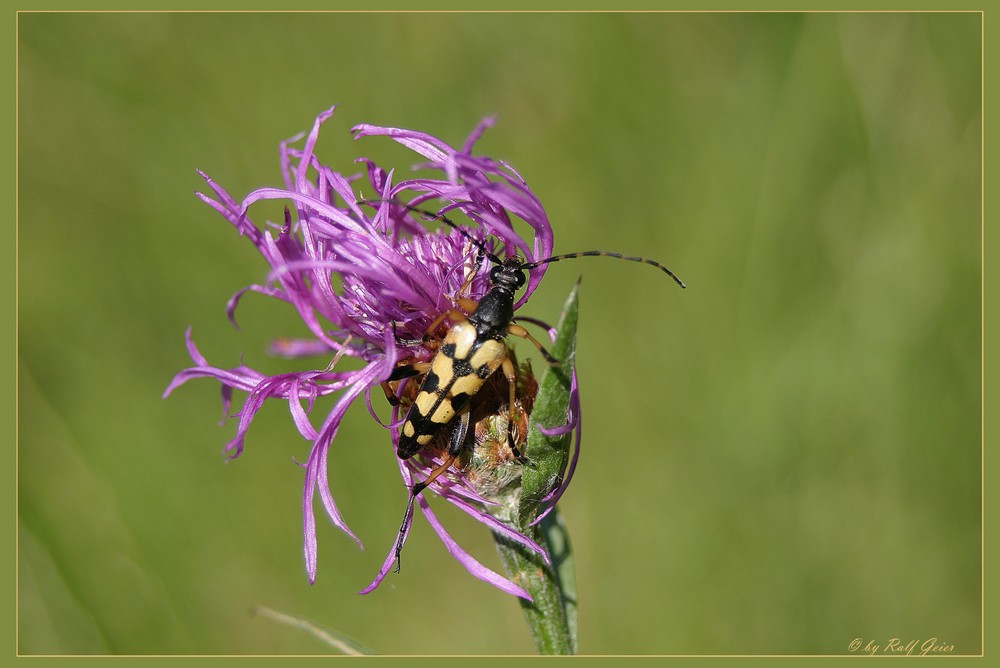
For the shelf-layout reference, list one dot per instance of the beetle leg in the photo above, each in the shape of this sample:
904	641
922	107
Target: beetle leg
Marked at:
390	395
452	314
517	330
455	447
466	304
511	373
399	373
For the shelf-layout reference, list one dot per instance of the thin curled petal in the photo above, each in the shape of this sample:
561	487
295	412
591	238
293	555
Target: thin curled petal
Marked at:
390	558
299	415
499	527
464	558
420	142
316	476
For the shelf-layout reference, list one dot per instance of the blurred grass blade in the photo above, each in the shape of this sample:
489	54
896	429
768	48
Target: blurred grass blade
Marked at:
338	641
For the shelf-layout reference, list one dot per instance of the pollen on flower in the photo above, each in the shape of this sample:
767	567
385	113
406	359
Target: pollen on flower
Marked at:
489	465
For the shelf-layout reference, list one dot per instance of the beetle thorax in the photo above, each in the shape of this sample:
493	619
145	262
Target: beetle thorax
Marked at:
494	313
496	308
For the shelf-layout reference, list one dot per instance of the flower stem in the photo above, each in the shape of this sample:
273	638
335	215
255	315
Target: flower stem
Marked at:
551	615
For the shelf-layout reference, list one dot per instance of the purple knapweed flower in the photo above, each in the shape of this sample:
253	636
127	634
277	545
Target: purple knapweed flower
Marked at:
368	277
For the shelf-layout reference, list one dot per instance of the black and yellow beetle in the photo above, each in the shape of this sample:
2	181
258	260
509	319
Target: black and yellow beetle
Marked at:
472	350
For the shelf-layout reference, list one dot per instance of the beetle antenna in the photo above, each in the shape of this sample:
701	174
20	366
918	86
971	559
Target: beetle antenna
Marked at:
630	258
430	215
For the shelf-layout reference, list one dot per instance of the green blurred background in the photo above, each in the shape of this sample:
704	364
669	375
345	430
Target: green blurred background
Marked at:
780	459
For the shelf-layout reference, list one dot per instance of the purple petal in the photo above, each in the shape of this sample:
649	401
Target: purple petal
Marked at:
307	152
193	351
235	299
298	415
477	133
499	527
420	142
293	348
464	558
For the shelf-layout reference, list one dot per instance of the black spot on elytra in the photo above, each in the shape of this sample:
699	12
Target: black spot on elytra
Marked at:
484	371
458	401
462	368
431	382
448	350
423	425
